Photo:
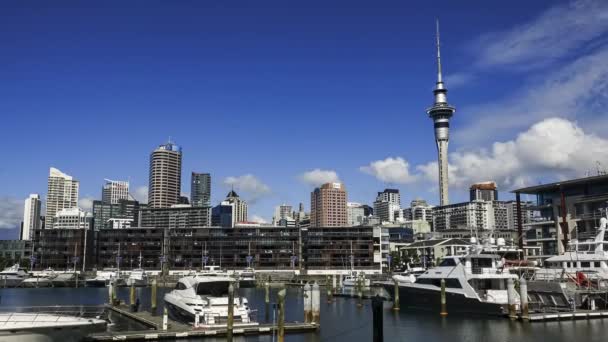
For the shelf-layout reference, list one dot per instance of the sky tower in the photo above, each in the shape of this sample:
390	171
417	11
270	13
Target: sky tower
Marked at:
441	112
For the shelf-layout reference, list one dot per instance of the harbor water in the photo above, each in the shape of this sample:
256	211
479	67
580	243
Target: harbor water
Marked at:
341	320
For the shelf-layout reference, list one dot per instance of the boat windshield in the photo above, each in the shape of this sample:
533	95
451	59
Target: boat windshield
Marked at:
215	289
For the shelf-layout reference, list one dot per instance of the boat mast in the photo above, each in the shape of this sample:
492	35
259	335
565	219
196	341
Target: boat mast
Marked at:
352	257
140	258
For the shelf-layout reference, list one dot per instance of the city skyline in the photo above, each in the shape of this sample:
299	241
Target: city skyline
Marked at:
299	108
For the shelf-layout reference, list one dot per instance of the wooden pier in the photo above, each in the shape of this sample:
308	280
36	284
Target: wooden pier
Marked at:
572	315
176	330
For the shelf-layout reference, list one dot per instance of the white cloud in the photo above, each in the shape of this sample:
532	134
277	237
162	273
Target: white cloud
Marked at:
250	185
390	170
11	212
86	203
459	79
140	194
577	90
558	31
258	219
552	147
317	177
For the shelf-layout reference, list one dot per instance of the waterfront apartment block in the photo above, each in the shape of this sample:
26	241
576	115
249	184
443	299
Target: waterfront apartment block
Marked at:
165	176
312	250
485	191
62	193
15	251
564	210
106	214
328	206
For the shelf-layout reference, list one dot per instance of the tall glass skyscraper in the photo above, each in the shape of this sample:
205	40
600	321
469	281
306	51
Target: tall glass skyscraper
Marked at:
200	190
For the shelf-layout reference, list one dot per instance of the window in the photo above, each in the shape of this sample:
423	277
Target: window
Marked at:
180	286
447	262
449	283
585	264
597	264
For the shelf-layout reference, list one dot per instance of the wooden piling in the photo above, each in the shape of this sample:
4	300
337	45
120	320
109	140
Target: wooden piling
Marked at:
307	303
511	298
230	323
316	304
281	300
377	311
153	297
132	297
444	306
396	306
523	297
359	293
165	319
329	294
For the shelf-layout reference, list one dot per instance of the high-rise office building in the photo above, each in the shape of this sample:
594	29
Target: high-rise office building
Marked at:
355	213
200	189
72	218
165	176
441	112
31	216
387	205
281	212
62	193
485	191
328	206
114	191
105	214
240	207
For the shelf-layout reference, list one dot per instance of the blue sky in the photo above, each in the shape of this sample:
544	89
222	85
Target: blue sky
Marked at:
258	93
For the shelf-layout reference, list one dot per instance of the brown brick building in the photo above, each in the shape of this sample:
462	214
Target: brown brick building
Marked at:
328	206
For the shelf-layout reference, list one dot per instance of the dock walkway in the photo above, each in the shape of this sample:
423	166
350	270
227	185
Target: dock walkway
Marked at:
176	330
561	316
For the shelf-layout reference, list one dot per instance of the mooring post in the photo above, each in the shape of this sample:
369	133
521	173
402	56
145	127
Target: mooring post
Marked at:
114	297
307	303
165	318
523	297
76	277
333	283
444	306
230	324
267	299
396	296
340	282
377	311
153	299
359	293
197	319
511	298
316	304
281	300
329	295
110	292
132	297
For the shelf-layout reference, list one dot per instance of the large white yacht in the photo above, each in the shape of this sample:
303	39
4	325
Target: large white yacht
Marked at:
247	278
13	276
206	296
583	261
475	283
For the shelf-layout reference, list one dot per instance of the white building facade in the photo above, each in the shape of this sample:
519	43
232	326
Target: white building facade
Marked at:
114	191
31	216
62	193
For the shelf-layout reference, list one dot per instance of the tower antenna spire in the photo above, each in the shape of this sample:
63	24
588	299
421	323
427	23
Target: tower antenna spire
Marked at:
439	77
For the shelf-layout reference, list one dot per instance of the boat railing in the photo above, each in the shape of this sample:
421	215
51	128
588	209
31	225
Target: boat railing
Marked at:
83	311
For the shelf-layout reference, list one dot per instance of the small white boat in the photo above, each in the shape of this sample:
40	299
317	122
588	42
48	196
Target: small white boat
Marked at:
43	327
206	298
352	279
13	276
137	277
247	278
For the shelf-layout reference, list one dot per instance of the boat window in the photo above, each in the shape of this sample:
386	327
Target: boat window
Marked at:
448	262
596	264
585	264
449	283
215	288
180	286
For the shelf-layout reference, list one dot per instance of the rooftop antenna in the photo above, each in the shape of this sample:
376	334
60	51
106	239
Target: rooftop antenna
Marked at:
439	78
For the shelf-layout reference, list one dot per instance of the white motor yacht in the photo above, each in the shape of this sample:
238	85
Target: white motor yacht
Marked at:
584	262
47	327
207	297
137	277
475	283
247	278
13	276
351	279
41	279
